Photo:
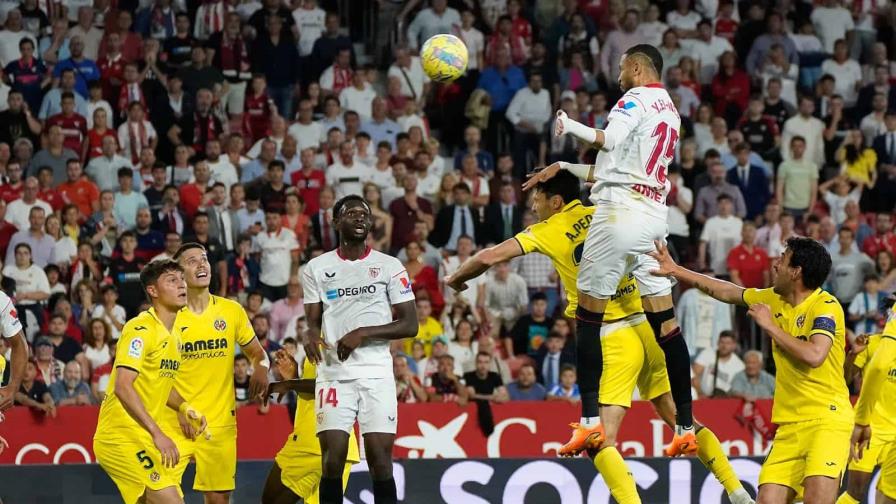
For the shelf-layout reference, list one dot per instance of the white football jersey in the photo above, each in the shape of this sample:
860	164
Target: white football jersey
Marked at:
356	294
9	318
645	124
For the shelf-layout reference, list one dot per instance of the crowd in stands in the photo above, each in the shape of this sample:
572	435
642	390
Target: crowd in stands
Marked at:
129	127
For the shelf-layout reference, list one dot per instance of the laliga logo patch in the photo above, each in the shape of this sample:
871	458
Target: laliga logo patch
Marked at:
135	350
800	321
374	271
405	285
220	325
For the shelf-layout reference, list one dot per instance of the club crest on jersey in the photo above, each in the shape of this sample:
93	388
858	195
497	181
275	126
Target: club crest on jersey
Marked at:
135	349
320	417
374	271
220	324
154	477
800	321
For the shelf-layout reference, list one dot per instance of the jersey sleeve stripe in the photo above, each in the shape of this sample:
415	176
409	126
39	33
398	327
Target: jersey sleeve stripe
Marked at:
823	333
888	336
400	272
128	367
520	245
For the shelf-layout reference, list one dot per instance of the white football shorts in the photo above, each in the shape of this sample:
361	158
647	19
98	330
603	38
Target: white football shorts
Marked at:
618	241
372	401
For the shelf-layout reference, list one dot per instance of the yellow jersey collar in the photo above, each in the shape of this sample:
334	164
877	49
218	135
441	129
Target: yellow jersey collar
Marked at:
572	204
810	298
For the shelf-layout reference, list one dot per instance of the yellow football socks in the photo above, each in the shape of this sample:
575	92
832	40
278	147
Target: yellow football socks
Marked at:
845	498
710	452
617	476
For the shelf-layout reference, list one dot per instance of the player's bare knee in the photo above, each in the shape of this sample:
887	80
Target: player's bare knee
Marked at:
222	497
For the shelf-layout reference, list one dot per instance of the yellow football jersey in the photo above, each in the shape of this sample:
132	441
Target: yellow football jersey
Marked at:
562	238
304	430
2	370
883	416
426	332
209	347
146	347
802	392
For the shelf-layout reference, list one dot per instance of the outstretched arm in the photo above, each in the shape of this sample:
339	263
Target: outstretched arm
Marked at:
482	261
726	292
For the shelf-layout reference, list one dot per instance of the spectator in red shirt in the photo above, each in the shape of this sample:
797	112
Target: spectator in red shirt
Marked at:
45	190
112	67
12	189
79	191
726	26
309	181
131	42
74	125
730	88
504	37
257	110
7	229
195	195
521	26
883	237
93	147
747	263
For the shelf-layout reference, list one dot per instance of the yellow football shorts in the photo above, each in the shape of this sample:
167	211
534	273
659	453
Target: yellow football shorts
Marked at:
887	482
632	357
803	449
301	472
135	465
876	453
215	458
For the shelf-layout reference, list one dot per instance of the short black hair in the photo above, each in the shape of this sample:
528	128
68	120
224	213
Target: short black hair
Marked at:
151	273
277	164
185	247
810	256
650	52
125	172
337	208
539	296
241	357
563	184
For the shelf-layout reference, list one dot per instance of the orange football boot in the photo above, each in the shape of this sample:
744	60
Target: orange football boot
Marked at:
582	439
685	444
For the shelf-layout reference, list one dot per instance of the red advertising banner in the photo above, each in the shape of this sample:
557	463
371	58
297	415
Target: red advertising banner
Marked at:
522	430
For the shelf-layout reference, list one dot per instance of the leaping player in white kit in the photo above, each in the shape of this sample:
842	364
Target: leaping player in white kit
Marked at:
629	192
350	294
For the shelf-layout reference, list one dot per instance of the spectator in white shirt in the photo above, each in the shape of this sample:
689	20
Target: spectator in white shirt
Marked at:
103	170
529	111
18	210
414	82
847	73
707	49
473	39
358	97
438	18
651	29
807	126
721	233
306	131
873	124
832	22
344	175
689	99
310	21
220	167
683	20
715	369
279	256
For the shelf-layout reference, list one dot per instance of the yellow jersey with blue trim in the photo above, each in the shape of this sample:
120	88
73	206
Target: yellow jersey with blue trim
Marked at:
149	349
209	341
561	237
801	391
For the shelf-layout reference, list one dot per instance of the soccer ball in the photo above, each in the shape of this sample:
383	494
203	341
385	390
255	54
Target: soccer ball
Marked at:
444	57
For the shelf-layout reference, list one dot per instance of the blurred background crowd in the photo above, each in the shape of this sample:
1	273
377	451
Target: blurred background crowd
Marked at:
128	127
